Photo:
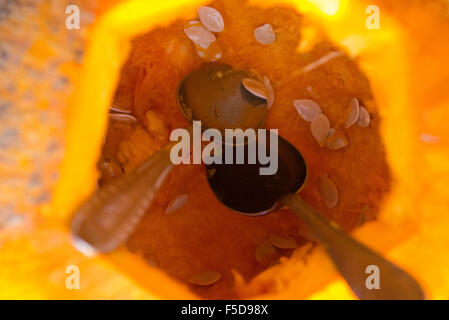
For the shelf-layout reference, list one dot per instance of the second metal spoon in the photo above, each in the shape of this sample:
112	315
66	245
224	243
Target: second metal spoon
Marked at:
244	190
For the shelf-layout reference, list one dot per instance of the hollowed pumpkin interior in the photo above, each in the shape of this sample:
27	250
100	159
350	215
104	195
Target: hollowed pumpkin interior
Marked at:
408	70
203	234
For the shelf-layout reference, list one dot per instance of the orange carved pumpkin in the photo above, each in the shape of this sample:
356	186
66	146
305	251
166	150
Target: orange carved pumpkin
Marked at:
55	103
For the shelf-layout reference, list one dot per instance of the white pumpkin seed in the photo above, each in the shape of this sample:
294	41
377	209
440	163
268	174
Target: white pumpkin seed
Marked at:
256	88
364	119
336	142
11	220
320	127
307	109
323	60
177	203
282	242
428	138
198	34
204	46
265	252
328	191
205	278
270	91
265	34
354	113
150	261
211	19
119	109
122	117
111	168
210	53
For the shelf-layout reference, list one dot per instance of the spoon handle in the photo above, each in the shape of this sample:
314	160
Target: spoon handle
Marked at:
352	258
108	217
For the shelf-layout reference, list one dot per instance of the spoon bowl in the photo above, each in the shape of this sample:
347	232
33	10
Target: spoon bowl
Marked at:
215	95
242	188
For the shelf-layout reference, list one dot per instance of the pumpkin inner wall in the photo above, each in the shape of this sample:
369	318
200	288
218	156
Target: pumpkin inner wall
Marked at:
204	235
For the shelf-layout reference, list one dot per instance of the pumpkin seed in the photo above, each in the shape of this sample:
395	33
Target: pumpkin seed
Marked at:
336	141
256	88
328	191
270	91
323	60
119	109
177	203
205	278
307	109
428	138
320	127
111	169
198	34
211	19
11	220
150	261
265	34
364	119
282	242
122	117
265	252
210	53
354	113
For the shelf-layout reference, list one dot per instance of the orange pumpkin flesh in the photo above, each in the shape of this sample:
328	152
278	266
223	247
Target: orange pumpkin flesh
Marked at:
405	61
204	235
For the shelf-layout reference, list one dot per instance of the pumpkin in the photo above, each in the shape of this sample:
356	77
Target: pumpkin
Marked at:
55	129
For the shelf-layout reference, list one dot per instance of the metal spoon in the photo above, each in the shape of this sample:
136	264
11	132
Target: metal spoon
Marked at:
243	189
213	94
